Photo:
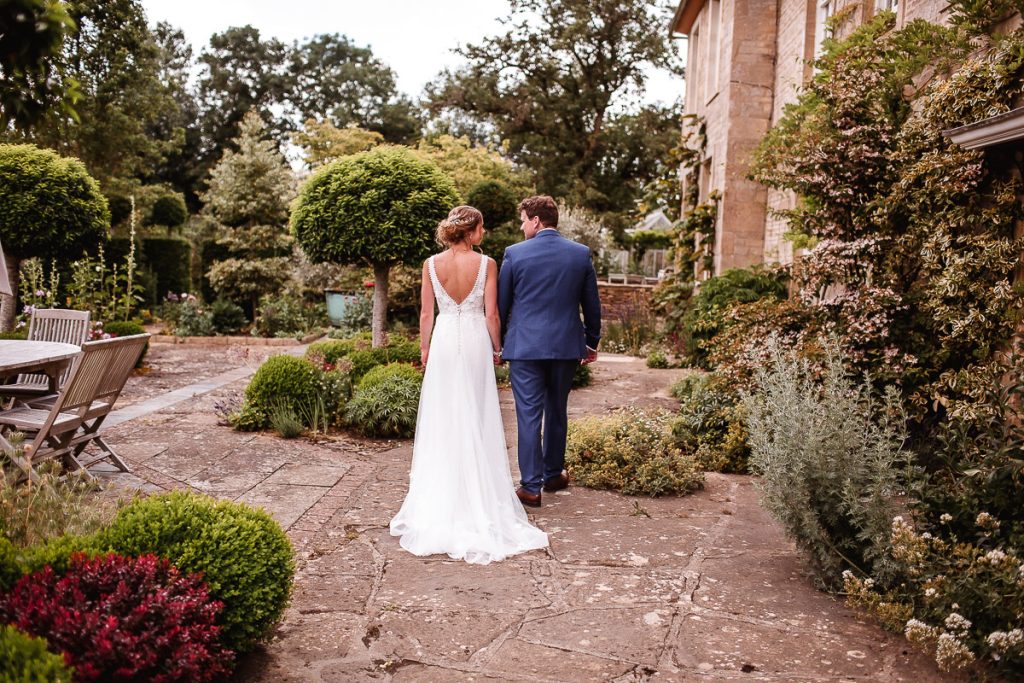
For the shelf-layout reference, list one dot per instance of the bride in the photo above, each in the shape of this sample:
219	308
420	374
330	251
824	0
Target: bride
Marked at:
461	499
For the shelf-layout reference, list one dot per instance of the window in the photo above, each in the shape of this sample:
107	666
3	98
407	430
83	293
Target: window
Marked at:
693	65
887	6
823	11
714	9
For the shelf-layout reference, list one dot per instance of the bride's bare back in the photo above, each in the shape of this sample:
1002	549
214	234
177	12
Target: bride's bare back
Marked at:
457	272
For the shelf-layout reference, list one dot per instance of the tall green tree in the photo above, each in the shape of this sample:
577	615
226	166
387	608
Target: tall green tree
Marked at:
555	86
248	196
379	208
336	80
32	35
113	58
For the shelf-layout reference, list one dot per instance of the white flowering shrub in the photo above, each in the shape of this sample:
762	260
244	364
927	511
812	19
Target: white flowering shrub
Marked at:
831	458
961	600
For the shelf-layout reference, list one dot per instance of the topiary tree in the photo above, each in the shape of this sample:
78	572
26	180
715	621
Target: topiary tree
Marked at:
379	208
496	202
50	207
169	211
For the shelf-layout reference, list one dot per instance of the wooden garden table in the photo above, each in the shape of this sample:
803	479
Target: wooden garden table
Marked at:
18	356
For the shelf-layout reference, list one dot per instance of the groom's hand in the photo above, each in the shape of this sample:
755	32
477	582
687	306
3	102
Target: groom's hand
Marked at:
591	357
497	359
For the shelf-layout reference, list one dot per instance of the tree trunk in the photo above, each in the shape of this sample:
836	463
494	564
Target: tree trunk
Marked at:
380	302
9	302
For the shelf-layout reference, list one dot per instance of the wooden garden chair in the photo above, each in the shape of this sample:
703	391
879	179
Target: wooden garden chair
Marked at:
121	353
52	431
51	325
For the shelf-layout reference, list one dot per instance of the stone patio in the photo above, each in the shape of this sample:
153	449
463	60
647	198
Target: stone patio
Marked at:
703	587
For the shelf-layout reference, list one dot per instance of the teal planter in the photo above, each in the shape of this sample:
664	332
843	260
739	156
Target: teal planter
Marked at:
338	302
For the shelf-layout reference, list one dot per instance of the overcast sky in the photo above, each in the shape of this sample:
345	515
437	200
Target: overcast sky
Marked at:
413	37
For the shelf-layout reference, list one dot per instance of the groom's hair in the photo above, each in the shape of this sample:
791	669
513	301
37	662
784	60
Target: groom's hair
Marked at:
543	207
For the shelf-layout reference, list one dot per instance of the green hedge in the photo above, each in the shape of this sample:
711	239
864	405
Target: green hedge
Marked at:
24	659
243	554
170	259
126	328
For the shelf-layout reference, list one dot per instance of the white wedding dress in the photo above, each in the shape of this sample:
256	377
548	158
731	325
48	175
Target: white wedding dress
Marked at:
461	499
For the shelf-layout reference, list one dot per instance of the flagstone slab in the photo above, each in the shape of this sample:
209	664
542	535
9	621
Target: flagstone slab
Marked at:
410	581
303	474
355	557
606	586
535	662
623	541
633	634
448	634
284	502
422	673
308	638
716	646
771	587
316	593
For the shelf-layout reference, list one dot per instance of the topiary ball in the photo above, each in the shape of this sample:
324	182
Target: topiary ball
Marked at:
24	659
385	373
280	380
126	328
243	554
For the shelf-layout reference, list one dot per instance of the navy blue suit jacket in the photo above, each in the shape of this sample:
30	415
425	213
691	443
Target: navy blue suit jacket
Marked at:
543	284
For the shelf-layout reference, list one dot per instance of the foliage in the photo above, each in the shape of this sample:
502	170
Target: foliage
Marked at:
126	328
577	63
34	32
832	460
284	420
386	401
635	328
110	292
119	125
378	208
50	206
26	659
323	142
580	225
581	377
281	380
710	424
330	351
227	317
189	316
657	359
495	201
469	163
242	553
397	350
115	617
249	192
51	506
169	211
170	260
707	314
630	451
285	315
959	597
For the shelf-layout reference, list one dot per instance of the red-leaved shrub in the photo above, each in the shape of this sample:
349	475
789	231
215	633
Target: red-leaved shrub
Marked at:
122	619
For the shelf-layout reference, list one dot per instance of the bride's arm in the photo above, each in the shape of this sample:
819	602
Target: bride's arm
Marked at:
426	314
491	305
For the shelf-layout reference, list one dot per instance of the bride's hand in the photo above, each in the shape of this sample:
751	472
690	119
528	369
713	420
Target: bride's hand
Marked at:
423	356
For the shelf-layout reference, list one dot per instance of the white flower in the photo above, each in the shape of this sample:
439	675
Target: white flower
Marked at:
994	556
918	631
951	653
930	592
986	521
1001	641
946	518
957	622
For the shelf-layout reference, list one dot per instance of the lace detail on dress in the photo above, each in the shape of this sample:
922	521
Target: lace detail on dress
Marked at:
474	301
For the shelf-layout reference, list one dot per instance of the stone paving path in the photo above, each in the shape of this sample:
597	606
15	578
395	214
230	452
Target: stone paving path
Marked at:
699	588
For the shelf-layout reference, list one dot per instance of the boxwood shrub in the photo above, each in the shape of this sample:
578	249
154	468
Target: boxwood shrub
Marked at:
126	328
243	555
398	350
281	380
24	659
386	401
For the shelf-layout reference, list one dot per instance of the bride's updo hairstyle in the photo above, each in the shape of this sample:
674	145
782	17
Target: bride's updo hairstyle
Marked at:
461	221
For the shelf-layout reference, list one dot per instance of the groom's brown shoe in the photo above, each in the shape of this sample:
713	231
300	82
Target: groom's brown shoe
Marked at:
528	499
557	483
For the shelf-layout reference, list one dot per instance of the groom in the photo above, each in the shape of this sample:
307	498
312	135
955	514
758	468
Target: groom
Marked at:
543	284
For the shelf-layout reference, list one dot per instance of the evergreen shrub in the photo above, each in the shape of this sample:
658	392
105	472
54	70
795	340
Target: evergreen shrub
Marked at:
170	259
280	380
228	317
386	401
631	451
25	659
126	328
243	555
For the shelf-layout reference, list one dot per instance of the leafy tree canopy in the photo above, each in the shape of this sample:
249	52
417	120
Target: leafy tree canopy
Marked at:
556	84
